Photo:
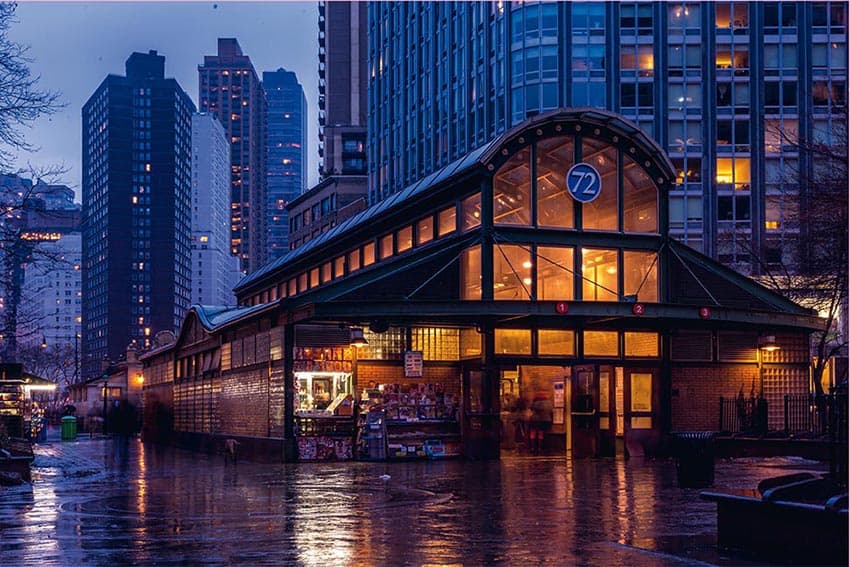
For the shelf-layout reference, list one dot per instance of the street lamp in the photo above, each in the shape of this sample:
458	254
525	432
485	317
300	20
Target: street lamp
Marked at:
105	386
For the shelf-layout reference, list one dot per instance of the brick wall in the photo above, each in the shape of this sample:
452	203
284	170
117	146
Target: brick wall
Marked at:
697	405
244	402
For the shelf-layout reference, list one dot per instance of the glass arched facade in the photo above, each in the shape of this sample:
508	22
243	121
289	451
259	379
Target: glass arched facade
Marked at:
531	200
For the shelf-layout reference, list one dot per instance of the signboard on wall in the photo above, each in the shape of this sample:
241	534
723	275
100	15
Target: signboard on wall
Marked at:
413	363
584	182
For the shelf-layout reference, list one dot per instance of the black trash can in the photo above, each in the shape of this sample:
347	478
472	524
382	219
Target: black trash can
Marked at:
694	453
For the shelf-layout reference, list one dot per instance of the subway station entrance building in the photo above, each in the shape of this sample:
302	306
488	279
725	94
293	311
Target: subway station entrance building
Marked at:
536	267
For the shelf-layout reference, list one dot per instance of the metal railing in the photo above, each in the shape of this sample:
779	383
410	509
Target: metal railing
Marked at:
743	415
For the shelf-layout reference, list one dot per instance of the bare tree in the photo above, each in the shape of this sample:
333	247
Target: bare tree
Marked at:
22	100
818	275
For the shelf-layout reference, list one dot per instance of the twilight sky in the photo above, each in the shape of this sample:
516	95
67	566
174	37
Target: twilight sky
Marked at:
76	44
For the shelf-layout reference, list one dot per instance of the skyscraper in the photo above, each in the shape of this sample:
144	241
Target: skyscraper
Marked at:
724	87
136	209
214	270
341	190
342	88
40	288
286	153
231	91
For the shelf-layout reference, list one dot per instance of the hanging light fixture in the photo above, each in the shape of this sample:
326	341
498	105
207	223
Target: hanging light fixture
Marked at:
768	343
356	338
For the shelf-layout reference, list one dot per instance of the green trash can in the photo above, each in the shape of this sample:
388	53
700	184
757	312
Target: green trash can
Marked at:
69	428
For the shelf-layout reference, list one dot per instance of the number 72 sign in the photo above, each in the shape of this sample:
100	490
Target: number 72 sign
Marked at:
583	182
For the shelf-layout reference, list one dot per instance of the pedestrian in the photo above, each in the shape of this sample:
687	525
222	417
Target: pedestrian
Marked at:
541	421
520	414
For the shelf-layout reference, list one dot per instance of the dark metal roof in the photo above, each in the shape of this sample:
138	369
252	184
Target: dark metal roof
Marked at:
476	158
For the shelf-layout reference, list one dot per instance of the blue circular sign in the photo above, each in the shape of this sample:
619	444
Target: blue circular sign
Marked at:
583	182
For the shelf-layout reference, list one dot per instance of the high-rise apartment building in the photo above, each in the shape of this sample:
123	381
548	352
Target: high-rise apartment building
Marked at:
342	88
286	153
341	191
40	292
725	87
230	90
136	209
214	270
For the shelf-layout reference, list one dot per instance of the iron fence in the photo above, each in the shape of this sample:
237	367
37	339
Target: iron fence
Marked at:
743	415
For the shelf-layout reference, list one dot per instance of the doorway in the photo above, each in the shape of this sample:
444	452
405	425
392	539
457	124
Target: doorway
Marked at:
535	398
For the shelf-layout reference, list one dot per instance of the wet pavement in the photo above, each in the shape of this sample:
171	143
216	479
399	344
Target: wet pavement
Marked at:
93	503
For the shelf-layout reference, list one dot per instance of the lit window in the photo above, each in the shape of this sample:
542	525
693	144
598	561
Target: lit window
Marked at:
555	156
599	274
205	238
425	230
386	246
369	254
471	211
511	272
470	273
554	273
404	239
512	190
513	341
600	343
640	344
447	221
556	342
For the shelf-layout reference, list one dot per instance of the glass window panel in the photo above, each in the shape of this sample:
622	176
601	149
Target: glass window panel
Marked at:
292	287
511	272
339	267
425	230
599	274
470	273
369	254
556	342
640	199
641	391
353	260
513	341
447	221
471	211
640	275
600	343
601	214
470	343
641	344
555	273
326	272
302	282
555	156
404	239
512	190
314	277
386	246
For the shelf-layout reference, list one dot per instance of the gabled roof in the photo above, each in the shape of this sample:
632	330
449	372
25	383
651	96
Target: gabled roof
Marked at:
477	158
212	317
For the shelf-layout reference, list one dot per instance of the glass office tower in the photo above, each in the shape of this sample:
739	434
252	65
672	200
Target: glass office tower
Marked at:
727	88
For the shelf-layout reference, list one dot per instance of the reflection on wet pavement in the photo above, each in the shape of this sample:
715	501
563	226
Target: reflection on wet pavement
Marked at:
88	504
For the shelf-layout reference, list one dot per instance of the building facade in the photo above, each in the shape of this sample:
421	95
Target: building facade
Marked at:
727	88
286	154
41	296
230	90
538	266
342	88
214	270
137	189
341	191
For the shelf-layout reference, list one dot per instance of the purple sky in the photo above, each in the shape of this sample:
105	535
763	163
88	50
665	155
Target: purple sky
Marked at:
76	44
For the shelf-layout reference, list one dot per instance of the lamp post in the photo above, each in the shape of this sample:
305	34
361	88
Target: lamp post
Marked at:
105	389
